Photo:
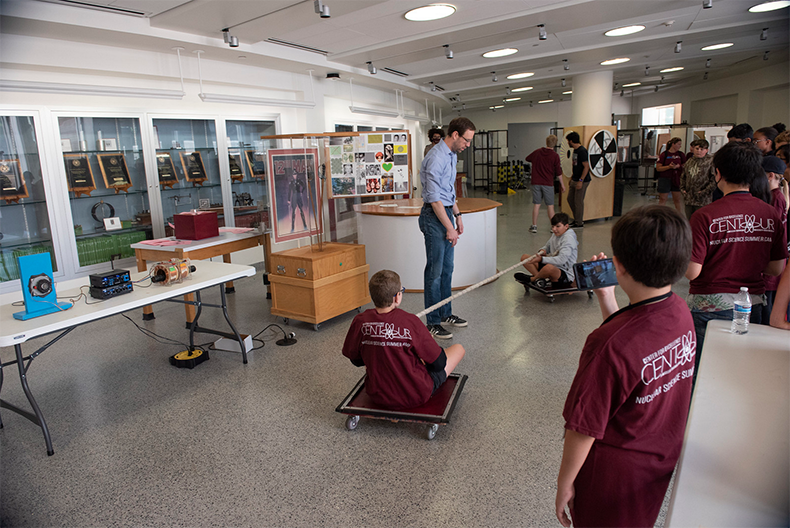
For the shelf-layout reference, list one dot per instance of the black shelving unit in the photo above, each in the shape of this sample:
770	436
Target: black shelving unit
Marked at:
487	157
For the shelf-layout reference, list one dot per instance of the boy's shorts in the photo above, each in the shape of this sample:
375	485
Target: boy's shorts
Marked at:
438	378
546	192
563	275
665	185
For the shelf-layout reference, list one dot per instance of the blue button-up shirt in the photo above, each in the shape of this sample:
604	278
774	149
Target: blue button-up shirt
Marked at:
437	175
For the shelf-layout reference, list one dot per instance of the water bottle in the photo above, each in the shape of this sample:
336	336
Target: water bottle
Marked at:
741	311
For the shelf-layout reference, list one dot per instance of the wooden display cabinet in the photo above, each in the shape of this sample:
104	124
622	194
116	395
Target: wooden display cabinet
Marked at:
314	286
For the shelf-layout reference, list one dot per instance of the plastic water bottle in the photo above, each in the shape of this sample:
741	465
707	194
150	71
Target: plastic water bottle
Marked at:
741	311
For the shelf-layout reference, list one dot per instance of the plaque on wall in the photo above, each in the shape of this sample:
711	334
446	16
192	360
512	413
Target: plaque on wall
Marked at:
256	161
192	162
114	171
79	176
236	170
166	169
12	181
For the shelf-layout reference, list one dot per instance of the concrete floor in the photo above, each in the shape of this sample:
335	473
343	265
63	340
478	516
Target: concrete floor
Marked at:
140	443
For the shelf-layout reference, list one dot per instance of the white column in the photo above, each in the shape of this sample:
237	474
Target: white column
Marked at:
591	104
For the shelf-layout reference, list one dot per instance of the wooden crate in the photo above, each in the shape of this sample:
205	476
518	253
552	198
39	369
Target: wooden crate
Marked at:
315	286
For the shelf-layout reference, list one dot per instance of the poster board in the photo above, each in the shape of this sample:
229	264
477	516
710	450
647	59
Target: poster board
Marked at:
599	200
295	193
369	163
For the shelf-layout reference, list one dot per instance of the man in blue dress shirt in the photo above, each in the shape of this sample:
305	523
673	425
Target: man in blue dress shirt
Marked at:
438	219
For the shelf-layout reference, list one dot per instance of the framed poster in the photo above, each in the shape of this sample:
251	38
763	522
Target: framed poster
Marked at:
166	169
236	168
114	171
256	161
79	175
12	181
295	192
369	164
192	162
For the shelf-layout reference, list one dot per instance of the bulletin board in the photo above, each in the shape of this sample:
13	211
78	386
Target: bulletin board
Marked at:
368	163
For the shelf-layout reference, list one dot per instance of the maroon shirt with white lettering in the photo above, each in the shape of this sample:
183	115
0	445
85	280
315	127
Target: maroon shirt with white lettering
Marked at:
391	345
734	239
631	393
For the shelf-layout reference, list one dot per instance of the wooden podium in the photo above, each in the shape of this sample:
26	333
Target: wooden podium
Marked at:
599	200
314	286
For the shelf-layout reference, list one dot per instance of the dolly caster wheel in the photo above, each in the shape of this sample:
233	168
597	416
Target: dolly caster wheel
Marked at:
359	309
551	298
286	320
589	294
316	326
432	431
352	422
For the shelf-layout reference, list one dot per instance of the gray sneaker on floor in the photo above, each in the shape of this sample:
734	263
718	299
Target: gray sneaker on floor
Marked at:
455	321
533	229
439	332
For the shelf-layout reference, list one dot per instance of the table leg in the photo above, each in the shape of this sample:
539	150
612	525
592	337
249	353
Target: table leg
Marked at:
148	311
20	361
189	308
228	285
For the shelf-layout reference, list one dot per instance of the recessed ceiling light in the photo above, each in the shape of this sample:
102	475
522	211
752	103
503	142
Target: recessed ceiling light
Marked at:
430	12
769	6
568	92
509	99
621	31
522	89
504	52
631	84
520	75
546	101
670	70
717	46
615	61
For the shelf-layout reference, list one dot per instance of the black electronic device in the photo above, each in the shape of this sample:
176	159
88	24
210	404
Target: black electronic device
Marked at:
110	278
111	291
595	274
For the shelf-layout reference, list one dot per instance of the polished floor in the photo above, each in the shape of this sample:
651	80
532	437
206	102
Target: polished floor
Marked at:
140	443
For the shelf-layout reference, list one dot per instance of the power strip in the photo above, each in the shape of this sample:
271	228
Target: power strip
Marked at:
231	345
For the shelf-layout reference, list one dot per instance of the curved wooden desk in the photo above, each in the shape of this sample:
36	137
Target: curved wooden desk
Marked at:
393	240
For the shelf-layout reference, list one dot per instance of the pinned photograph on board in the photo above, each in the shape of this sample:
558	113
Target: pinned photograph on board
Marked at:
373	170
401	187
379	157
348	157
375	139
359	142
387	138
342	186
348	169
387	183
373	185
336	140
389	152
401	149
295	195
359	157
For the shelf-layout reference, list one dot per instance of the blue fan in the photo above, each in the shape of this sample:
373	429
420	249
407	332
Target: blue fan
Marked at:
38	287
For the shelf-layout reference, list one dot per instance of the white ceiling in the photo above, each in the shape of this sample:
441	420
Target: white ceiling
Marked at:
376	30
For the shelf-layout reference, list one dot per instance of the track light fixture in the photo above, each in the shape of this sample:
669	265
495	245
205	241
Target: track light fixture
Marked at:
615	86
647	71
372	69
662	80
707	4
494	78
565	65
463	106
622	93
321	9
677	46
507	90
230	40
530	104
447	51
764	34
433	87
765	55
705	77
707	63
656	89
542	35
563	82
549	96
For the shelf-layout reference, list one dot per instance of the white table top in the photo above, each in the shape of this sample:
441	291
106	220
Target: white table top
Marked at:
191	245
13	331
735	466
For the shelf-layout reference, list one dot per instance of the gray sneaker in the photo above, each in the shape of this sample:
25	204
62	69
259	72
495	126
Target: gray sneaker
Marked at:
455	321
439	332
533	229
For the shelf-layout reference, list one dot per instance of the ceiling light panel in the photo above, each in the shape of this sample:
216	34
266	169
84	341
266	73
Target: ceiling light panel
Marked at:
568	92
629	85
504	52
611	62
713	47
546	101
522	89
769	6
670	70
511	99
626	30
520	75
430	12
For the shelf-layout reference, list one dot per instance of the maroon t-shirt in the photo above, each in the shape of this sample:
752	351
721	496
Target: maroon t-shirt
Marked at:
545	166
631	393
734	239
668	158
779	204
391	345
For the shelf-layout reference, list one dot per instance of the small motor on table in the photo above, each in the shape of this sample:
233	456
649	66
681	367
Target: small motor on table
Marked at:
172	271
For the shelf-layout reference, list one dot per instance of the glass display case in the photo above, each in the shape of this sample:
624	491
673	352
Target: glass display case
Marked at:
24	217
188	167
248	171
105	175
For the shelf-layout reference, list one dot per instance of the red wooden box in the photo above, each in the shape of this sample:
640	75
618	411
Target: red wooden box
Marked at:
196	225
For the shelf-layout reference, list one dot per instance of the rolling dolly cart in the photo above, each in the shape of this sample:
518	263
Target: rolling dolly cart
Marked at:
548	288
435	412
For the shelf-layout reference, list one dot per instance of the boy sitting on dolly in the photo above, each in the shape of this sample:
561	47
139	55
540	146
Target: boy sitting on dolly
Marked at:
404	364
554	261
625	414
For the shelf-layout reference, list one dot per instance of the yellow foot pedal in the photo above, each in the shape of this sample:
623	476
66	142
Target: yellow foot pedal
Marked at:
189	358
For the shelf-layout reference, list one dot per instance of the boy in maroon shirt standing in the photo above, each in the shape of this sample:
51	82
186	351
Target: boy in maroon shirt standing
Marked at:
404	363
626	411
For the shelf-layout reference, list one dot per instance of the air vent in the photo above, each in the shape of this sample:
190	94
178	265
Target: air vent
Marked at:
395	72
101	7
297	46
